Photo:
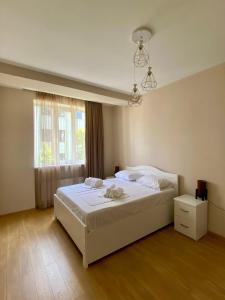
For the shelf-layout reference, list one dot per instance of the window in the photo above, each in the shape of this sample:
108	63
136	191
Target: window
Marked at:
59	131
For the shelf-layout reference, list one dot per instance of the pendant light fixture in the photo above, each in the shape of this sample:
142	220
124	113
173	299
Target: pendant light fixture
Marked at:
136	98
148	83
141	59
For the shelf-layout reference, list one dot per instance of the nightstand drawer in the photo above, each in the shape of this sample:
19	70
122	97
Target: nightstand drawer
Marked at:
185	227
184	210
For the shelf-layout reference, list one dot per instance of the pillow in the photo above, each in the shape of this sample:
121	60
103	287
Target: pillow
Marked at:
154	182
128	175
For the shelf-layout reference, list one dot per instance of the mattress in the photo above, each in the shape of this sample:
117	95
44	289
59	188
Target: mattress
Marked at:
89	205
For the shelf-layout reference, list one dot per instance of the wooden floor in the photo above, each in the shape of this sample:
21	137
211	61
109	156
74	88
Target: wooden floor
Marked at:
39	261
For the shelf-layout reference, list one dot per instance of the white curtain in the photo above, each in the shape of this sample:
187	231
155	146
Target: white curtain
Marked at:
48	179
59	144
59	130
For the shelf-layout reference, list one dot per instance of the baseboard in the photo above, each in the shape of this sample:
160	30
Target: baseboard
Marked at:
216	235
18	212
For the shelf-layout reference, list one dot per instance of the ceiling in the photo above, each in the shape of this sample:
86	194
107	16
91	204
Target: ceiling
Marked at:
90	40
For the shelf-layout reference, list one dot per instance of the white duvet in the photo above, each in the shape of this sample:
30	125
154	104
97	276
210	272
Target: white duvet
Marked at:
96	211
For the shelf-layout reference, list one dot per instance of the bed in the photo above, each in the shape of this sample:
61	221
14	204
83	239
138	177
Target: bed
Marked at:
99	226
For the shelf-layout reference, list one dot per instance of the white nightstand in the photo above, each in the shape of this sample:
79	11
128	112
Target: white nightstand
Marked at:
190	216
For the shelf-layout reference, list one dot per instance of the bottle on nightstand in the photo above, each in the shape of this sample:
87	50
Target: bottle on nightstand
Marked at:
190	216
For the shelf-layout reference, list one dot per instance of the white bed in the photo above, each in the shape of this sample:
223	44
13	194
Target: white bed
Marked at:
100	226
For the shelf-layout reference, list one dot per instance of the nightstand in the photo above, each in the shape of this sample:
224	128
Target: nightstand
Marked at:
190	216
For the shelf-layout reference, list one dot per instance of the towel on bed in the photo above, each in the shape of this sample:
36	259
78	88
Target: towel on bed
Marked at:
114	192
93	182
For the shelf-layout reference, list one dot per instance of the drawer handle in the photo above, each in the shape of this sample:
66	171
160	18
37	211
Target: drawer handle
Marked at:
186	211
185	226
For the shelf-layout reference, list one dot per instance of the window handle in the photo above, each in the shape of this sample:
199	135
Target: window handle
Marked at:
185	226
186	211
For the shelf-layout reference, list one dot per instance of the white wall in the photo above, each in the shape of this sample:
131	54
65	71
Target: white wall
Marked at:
180	128
16	150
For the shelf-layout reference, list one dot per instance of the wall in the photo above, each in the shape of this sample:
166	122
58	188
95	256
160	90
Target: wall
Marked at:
16	151
180	128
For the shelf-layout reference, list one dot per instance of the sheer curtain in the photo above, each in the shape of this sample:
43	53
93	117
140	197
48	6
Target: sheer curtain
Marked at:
59	130
59	144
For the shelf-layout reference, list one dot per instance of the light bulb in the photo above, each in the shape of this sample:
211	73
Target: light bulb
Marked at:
136	98
141	57
149	82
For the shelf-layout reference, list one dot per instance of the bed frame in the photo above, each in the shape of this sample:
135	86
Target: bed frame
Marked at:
102	241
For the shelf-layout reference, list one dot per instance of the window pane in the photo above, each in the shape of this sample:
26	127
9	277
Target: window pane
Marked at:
59	133
80	135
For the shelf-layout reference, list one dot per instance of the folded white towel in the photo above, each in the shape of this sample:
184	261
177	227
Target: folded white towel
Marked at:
93	182
114	192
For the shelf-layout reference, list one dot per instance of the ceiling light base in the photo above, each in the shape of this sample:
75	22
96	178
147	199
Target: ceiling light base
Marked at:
143	34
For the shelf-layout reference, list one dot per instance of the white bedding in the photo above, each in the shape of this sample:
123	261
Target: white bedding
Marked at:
96	211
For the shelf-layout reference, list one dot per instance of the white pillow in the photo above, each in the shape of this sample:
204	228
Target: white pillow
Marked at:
154	182
128	175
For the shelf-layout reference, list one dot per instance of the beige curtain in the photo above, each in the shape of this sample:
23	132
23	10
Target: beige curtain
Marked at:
94	140
59	143
59	130
48	179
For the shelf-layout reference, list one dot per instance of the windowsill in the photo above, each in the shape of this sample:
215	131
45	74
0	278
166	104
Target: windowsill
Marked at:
63	165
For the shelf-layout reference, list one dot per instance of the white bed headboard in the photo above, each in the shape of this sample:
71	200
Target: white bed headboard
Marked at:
173	178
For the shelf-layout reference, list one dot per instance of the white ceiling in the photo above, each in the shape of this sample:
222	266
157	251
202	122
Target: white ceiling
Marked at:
89	40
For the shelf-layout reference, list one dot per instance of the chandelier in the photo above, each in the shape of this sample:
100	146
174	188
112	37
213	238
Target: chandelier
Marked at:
141	59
